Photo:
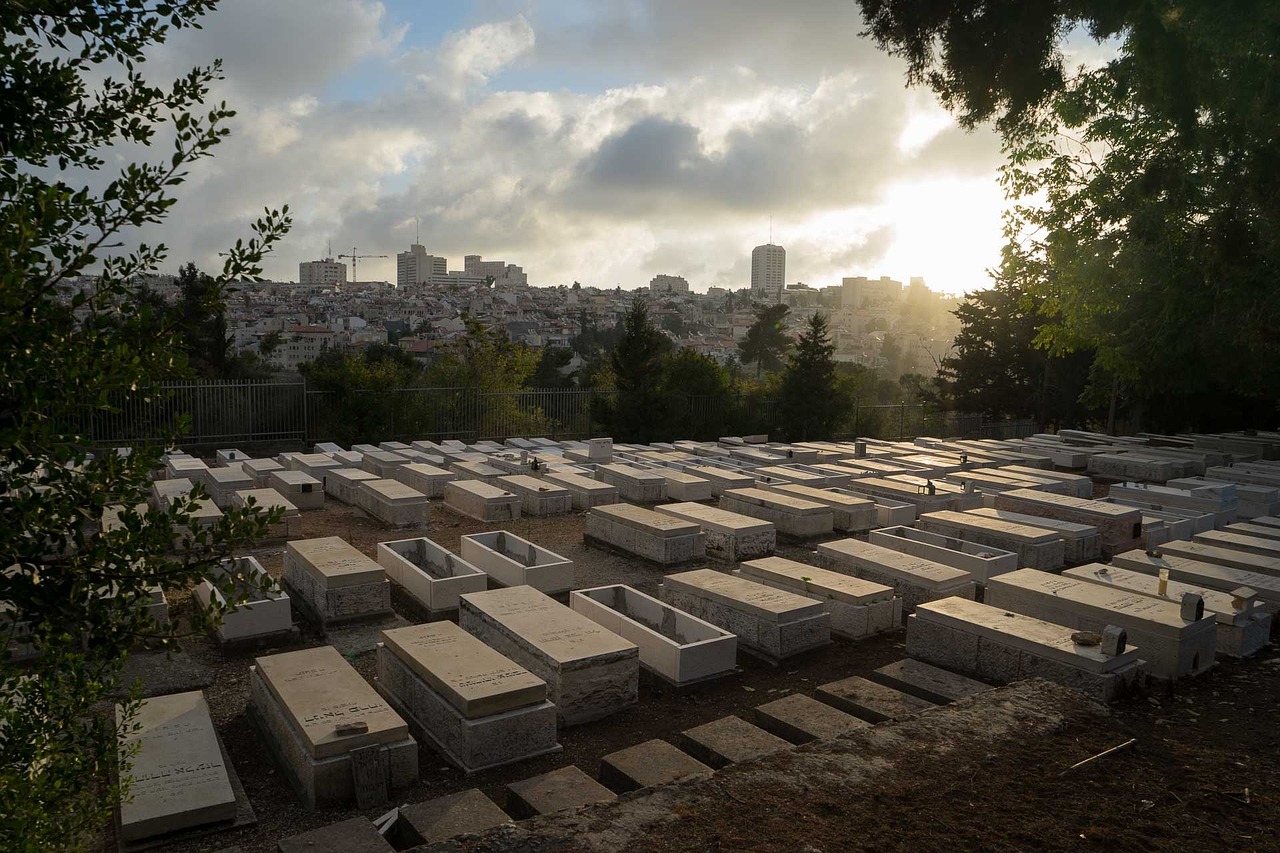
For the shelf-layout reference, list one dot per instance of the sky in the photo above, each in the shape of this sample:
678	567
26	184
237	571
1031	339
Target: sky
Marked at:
599	142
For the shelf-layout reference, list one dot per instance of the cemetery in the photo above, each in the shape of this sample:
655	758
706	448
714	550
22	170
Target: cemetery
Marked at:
514	628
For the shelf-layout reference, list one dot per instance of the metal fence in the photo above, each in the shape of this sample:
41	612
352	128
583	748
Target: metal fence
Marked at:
284	412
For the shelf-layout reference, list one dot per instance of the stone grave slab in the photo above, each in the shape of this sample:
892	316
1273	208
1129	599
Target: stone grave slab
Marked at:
721	479
676	646
585	491
355	835
684	486
315	464
476	471
1036	547
302	490
730	536
334	581
645	765
342	484
481	501
223	483
468	812
1208	575
431	575
266	500
315	710
393	503
590	671
991	643
980	561
180	772
326	447
792	516
867	700
1260	531
382	462
771	623
914	579
850	513
1174	647
512	561
1082	542
638	485
650	535
1262	546
566	789
260	470
729	740
476	707
1243	626
1120	526
1229	557
858	608
427	479
263	617
800	719
931	683
538	497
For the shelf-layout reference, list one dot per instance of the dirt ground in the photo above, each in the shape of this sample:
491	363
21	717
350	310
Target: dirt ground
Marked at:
1202	775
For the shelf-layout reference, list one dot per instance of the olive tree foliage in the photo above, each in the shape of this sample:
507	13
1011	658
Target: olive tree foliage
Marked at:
1146	189
80	552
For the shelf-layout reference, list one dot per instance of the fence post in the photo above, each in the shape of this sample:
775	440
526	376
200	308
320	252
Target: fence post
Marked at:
306	414
902	421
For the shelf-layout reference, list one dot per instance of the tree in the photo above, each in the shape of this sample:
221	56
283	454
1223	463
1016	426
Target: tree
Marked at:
698	396
766	342
811	403
1148	200
637	363
80	559
550	370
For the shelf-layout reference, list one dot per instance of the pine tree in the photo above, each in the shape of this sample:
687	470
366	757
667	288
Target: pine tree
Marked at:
638	367
811	403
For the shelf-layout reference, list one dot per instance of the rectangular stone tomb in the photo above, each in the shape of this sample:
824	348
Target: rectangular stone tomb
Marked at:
1208	575
801	719
512	561
1222	504
684	486
1037	547
222	483
858	608
910	493
1243	626
383	462
343	484
1082	542
585	491
478	708
871	701
981	561
264	614
590	671
431	575
1223	557
927	682
394	503
850	513
680	648
721	479
769	622
302	490
315	464
427	479
538	497
994	644
1263	546
264	501
179	467
729	740
793	516
1120	526
661	539
889	512
639	485
165	493
337	739
913	578
335	581
1173	646
260	470
730	536
481	501
475	471
653	762
1260	531
180	776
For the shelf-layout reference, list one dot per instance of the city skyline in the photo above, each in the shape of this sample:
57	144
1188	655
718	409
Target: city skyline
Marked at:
604	145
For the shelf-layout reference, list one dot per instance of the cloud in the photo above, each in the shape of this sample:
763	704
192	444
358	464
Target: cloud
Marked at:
475	55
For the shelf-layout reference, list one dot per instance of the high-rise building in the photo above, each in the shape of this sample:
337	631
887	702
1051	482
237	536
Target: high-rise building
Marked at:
417	267
768	269
327	271
503	273
862	292
673	284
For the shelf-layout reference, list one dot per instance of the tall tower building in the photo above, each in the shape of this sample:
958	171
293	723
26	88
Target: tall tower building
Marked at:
768	270
327	271
416	266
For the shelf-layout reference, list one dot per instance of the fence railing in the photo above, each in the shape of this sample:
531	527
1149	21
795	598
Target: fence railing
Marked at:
284	412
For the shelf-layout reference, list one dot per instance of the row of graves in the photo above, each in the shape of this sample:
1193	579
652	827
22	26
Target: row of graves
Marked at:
999	565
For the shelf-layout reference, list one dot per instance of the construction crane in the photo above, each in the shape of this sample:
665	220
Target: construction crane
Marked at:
355	256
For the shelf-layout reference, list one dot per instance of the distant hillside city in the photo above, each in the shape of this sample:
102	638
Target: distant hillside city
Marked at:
879	323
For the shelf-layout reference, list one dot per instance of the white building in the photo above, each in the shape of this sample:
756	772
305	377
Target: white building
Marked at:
862	292
668	284
768	269
417	267
503	273
327	271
